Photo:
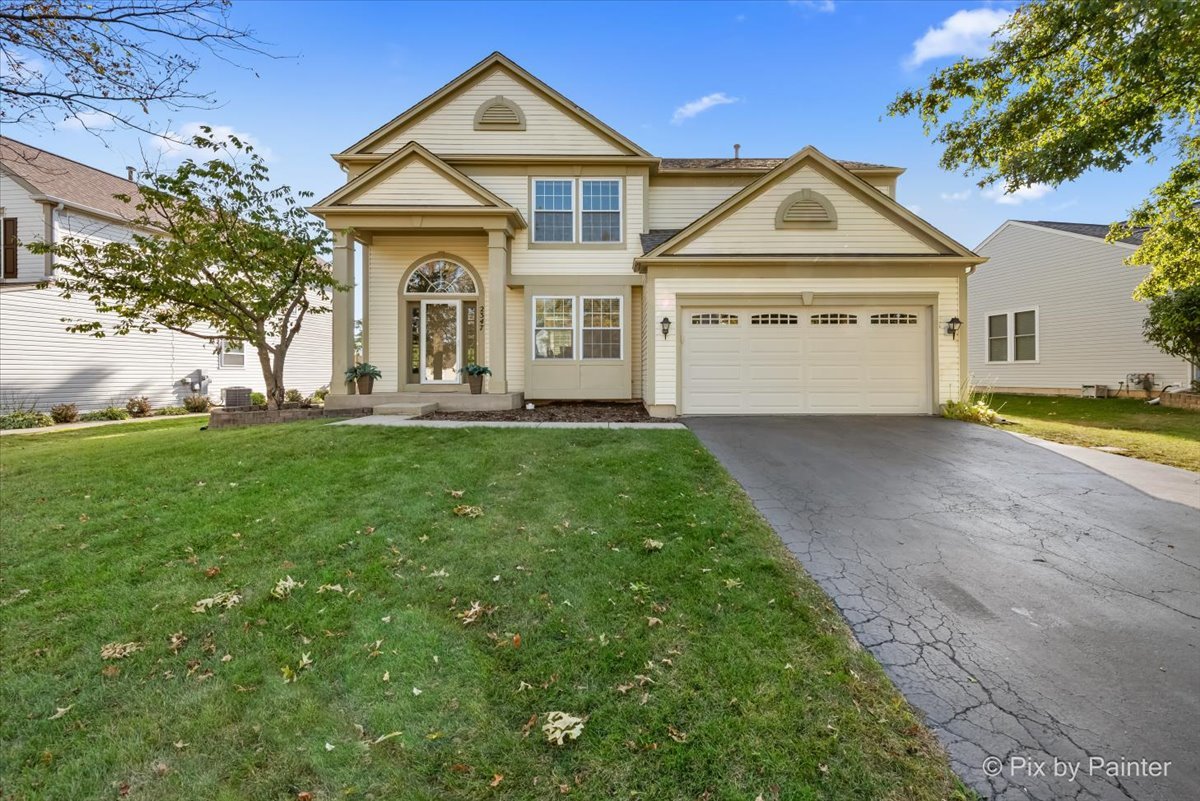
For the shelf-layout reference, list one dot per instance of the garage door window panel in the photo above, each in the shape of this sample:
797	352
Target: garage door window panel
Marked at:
774	319
834	319
553	328
714	318
601	328
893	318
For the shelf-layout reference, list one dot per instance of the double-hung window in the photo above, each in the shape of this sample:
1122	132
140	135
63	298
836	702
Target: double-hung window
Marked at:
577	328
1012	336
585	211
554	210
233	354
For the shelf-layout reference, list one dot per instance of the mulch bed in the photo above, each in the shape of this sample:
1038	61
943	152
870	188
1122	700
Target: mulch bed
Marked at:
559	412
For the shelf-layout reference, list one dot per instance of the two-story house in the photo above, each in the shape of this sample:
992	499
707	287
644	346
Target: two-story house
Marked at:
46	197
502	224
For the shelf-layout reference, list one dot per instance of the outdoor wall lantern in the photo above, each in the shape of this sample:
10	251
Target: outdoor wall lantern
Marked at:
952	326
666	327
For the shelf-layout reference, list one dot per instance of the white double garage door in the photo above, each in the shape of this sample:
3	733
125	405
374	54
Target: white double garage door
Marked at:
806	360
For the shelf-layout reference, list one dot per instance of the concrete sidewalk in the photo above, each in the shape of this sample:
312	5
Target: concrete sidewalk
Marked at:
400	421
1156	480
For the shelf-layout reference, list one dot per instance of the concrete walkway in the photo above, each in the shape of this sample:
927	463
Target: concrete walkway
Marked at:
400	421
1156	480
96	424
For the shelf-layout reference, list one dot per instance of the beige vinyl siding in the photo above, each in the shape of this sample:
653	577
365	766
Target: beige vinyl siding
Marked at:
450	129
41	362
390	258
31	226
860	228
1089	326
637	336
514	356
676	205
575	259
415	184
948	378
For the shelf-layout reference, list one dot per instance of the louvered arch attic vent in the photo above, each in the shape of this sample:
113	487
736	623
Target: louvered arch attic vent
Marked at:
806	209
499	114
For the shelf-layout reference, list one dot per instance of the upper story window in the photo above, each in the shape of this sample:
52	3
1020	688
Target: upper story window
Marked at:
601	210
10	247
554	211
584	210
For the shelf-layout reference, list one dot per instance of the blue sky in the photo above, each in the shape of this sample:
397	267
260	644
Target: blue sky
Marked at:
777	76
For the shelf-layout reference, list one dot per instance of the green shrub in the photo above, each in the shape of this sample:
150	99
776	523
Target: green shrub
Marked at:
258	399
197	404
293	396
25	418
64	413
109	413
975	410
139	406
320	393
170	411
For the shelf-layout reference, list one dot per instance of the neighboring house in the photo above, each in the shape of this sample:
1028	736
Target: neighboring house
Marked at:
1053	311
501	223
45	197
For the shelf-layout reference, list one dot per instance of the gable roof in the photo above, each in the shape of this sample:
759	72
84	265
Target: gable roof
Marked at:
503	62
656	237
865	192
413	151
1085	229
62	179
756	164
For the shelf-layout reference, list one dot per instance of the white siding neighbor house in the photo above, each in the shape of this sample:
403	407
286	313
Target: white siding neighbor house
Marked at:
500	223
1053	311
44	197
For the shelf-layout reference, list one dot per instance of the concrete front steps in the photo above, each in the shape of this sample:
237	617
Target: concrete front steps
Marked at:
409	410
415	404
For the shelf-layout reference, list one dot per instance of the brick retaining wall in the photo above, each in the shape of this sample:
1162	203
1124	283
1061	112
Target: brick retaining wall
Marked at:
226	418
1182	400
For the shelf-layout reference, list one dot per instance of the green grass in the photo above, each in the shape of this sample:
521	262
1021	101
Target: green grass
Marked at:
750	684
1157	433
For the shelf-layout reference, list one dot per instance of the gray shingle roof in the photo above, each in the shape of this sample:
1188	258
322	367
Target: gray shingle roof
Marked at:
753	164
1085	229
656	237
67	180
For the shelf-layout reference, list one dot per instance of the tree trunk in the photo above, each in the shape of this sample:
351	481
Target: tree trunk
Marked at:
272	373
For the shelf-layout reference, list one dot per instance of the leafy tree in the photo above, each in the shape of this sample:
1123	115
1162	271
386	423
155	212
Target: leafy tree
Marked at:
216	255
1071	85
1173	324
101	64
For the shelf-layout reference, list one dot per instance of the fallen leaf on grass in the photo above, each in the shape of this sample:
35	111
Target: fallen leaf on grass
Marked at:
119	650
677	735
330	746
177	641
416	690
111	671
330	588
462	510
284	587
653	621
732	583
496	779
212	572
226	600
60	711
652	545
476	611
516	640
529	724
180	745
456	494
387	676
561	726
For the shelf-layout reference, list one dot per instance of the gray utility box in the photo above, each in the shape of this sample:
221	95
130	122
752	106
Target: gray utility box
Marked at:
237	396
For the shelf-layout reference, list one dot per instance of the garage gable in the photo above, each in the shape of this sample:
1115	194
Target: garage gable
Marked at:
810	205
413	176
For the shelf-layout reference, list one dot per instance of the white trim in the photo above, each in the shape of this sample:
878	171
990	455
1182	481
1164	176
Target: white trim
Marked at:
620	327
225	350
533	327
1010	334
533	211
620	209
458	341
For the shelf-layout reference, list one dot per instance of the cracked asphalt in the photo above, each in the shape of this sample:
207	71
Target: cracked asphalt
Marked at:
1028	605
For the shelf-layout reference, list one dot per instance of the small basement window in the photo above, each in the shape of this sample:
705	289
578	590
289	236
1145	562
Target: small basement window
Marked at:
834	319
499	114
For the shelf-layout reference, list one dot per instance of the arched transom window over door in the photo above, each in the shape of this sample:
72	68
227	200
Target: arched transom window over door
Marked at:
441	277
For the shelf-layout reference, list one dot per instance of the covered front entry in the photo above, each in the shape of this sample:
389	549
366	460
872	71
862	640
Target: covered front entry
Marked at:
440	305
806	360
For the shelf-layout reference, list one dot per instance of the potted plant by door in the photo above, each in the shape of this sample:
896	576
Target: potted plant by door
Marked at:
475	374
363	377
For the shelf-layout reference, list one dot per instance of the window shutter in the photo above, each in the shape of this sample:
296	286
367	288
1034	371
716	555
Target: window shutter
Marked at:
10	247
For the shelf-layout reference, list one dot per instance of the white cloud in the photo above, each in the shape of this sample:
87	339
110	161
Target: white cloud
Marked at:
956	197
1019	196
691	109
963	33
819	6
171	145
89	121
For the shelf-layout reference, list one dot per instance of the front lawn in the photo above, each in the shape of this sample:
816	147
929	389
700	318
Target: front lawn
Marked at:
1157	433
617	575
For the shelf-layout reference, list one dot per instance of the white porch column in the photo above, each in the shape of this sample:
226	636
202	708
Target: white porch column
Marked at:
498	256
343	312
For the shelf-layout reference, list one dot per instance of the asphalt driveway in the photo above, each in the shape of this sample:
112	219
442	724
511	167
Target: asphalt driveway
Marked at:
1032	608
